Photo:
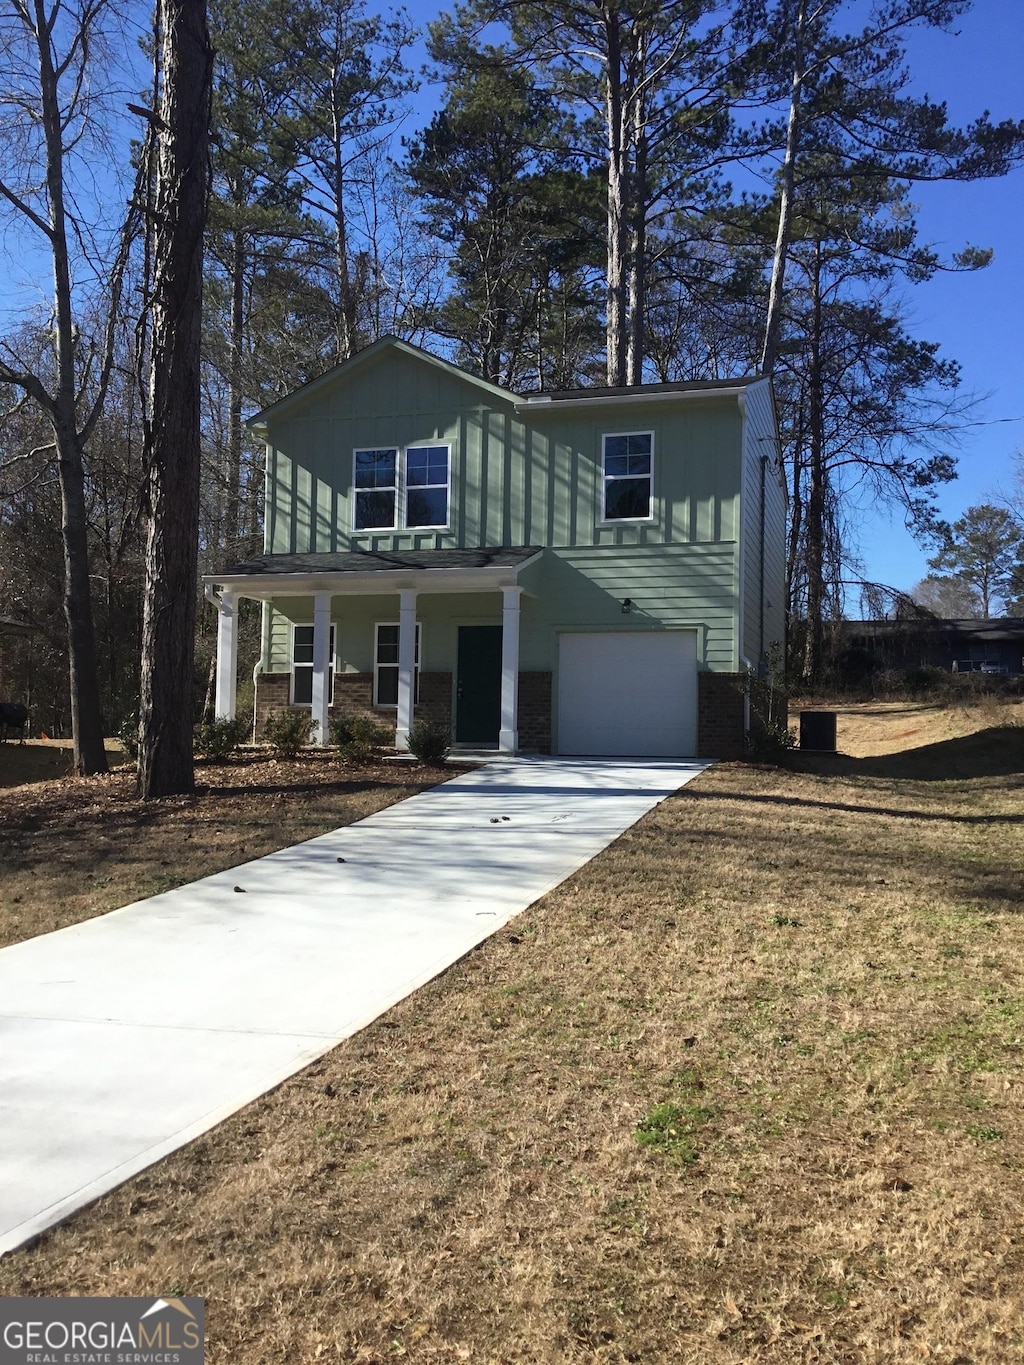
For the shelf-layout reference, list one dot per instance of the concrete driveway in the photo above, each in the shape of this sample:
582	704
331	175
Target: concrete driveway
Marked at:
125	1037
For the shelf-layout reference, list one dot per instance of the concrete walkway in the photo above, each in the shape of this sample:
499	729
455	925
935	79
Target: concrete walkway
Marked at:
125	1037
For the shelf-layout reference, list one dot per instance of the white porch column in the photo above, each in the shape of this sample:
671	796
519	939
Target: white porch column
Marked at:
321	665
406	665
227	654
508	735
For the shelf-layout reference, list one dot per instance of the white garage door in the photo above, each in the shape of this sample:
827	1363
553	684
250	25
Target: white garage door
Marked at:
628	692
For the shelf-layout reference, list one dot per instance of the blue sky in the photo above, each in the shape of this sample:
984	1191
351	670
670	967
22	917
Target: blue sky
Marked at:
978	318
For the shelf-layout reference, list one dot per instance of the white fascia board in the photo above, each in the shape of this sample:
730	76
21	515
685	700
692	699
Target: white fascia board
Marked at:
535	405
263	587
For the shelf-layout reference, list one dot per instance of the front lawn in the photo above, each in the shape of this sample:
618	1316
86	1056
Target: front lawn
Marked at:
746	1088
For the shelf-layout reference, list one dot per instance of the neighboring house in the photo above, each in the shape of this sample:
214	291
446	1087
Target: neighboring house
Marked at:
592	571
983	646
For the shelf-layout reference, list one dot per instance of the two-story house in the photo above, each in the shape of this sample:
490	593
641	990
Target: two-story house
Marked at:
584	572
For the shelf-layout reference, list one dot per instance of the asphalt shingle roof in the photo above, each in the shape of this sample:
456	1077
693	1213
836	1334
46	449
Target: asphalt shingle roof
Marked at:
383	561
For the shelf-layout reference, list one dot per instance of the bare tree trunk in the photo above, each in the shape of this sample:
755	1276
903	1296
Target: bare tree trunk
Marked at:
638	222
233	527
638	266
346	330
815	510
86	725
773	325
182	195
618	208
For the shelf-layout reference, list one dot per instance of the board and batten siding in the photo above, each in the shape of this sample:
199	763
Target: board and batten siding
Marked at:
525	475
764	538
521	478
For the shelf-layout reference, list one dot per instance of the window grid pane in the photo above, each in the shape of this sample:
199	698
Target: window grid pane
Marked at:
427	507
386	665
376	468
627	477
375	508
302	665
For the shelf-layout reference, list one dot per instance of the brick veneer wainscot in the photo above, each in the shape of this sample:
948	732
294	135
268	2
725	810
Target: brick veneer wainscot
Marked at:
353	696
535	712
720	715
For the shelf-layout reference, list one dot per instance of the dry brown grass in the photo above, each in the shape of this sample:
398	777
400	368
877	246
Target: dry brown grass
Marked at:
820	969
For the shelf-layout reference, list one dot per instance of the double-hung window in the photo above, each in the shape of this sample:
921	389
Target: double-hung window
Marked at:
376	488
628	474
302	666
385	665
398	489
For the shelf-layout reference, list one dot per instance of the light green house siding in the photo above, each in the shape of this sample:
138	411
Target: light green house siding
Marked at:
530	474
518	478
763	557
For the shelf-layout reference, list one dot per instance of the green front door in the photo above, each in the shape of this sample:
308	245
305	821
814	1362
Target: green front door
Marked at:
478	685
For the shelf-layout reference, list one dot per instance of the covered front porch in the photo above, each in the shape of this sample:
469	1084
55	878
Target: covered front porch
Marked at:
325	605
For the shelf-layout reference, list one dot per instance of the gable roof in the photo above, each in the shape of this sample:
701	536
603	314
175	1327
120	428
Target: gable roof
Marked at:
357	361
535	402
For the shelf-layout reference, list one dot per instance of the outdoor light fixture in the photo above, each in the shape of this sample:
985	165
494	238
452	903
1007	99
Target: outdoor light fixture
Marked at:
627	605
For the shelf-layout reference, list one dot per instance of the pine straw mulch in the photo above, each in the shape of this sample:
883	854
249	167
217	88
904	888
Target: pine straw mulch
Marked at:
73	848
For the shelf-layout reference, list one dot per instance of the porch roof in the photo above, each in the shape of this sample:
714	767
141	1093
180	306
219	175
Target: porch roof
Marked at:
376	571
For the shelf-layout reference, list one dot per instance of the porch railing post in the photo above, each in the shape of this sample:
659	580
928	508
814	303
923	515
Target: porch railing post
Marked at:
508	735
322	661
227	654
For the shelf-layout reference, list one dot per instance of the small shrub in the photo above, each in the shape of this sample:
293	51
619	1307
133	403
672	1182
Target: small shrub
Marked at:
289	731
430	742
769	738
359	739
216	739
770	743
128	737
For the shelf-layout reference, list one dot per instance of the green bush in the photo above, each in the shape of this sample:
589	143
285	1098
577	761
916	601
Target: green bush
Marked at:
430	742
359	739
289	731
216	739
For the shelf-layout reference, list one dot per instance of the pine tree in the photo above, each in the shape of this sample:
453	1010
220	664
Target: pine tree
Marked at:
520	217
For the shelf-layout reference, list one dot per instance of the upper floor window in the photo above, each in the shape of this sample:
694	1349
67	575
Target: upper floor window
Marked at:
628	472
376	481
397	489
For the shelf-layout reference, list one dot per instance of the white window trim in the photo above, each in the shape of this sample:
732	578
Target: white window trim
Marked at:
426	445
604	519
370	530
332	662
400	522
393	705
